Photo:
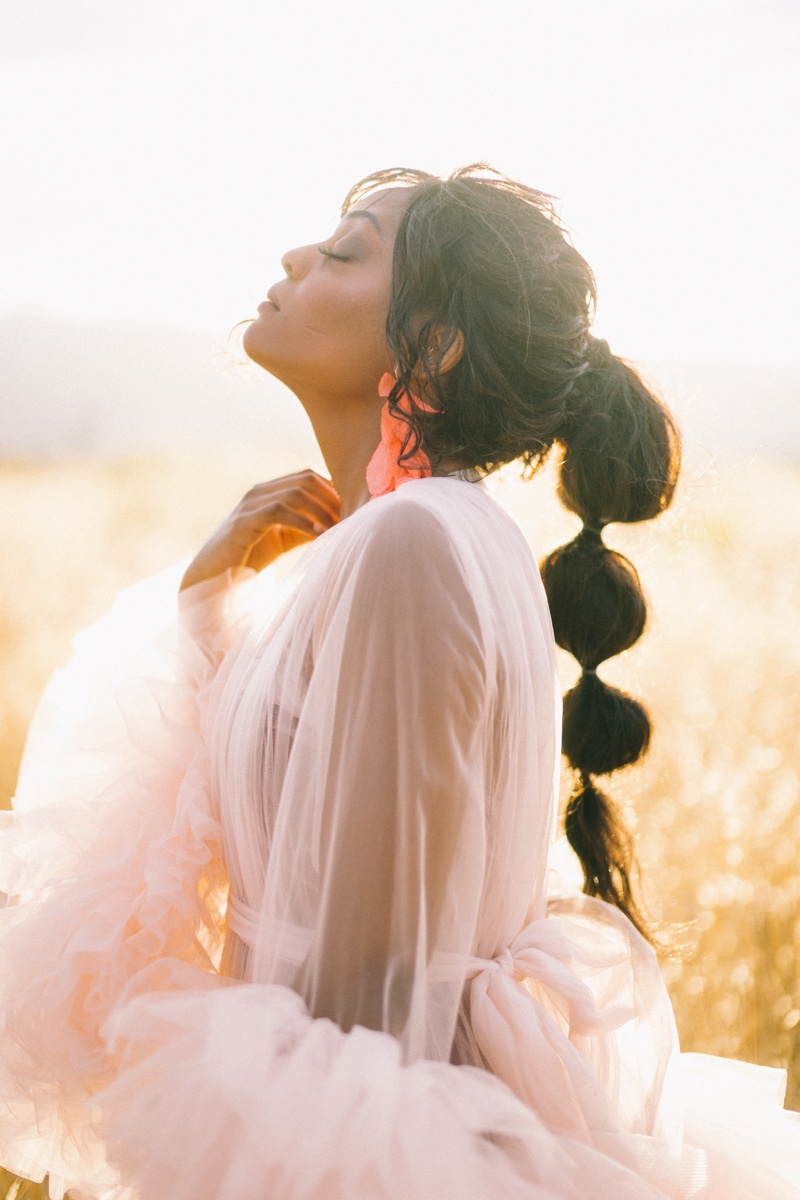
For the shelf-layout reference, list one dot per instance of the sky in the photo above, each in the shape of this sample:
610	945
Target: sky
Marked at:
157	157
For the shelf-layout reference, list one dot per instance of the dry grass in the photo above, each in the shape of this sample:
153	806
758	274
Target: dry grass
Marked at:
717	804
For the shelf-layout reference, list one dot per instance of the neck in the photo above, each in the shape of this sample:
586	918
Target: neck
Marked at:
348	431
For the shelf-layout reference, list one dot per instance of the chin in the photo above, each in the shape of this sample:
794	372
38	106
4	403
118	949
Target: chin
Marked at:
260	348
250	340
253	344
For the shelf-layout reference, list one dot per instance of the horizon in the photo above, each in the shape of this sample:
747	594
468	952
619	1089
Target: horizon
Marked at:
80	387
160	158
110	324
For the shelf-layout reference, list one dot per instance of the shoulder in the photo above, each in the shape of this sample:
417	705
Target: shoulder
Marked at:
406	520
432	529
406	549
402	550
442	511
457	521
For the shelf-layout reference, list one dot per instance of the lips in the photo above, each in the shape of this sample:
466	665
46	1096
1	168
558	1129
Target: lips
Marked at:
271	300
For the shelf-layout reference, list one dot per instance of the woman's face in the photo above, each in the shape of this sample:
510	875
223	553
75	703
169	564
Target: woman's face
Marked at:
323	328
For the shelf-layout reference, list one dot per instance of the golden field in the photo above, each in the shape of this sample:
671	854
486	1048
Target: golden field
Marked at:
717	802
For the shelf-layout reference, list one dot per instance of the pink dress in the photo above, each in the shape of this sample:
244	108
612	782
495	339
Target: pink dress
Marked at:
327	806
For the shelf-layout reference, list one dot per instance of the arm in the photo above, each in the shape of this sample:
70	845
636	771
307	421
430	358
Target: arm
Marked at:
405	771
271	519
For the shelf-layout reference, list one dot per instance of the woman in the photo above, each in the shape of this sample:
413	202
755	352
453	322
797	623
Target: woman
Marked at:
296	942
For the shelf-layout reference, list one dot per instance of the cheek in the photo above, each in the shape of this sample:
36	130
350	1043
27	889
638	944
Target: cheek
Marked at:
327	327
350	312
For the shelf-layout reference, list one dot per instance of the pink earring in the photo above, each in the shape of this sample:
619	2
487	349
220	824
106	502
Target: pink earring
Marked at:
384	473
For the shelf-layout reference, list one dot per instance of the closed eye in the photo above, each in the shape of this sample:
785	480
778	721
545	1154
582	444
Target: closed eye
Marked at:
330	254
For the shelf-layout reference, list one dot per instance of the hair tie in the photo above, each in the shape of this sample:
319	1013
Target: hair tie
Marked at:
588	670
592	533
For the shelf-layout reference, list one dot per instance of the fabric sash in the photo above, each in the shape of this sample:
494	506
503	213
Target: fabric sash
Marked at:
523	1031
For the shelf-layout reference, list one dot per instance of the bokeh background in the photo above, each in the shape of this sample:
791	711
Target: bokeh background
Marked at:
155	159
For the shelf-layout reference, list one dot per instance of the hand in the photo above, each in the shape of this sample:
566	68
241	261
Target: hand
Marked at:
272	518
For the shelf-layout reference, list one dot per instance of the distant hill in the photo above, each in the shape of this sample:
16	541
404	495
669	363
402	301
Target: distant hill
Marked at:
76	389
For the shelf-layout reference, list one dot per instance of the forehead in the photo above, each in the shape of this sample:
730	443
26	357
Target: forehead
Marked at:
387	205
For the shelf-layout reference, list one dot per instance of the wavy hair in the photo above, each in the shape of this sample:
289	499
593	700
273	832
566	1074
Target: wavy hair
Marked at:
485	258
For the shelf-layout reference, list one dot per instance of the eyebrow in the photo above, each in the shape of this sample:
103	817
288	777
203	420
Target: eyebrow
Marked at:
365	216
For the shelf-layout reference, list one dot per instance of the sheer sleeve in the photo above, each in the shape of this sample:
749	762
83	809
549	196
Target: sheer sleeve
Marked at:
398	691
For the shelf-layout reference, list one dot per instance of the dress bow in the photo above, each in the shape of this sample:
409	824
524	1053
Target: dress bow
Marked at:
527	1007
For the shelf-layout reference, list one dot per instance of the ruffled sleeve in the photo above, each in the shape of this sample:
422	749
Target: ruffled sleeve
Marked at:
84	724
110	865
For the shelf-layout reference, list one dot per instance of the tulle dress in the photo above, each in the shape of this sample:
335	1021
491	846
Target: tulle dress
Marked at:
277	921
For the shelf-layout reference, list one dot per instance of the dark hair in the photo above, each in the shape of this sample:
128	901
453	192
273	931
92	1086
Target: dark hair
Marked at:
484	256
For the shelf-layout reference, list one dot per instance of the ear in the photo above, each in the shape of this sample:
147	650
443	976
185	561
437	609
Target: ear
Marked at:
445	349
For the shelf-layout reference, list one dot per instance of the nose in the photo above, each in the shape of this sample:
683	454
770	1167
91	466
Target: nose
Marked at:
296	262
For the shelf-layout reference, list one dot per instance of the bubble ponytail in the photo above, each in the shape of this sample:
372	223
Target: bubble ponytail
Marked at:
621	463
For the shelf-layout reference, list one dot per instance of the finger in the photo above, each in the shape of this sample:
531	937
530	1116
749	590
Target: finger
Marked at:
299	500
276	541
313	485
255	524
307	480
